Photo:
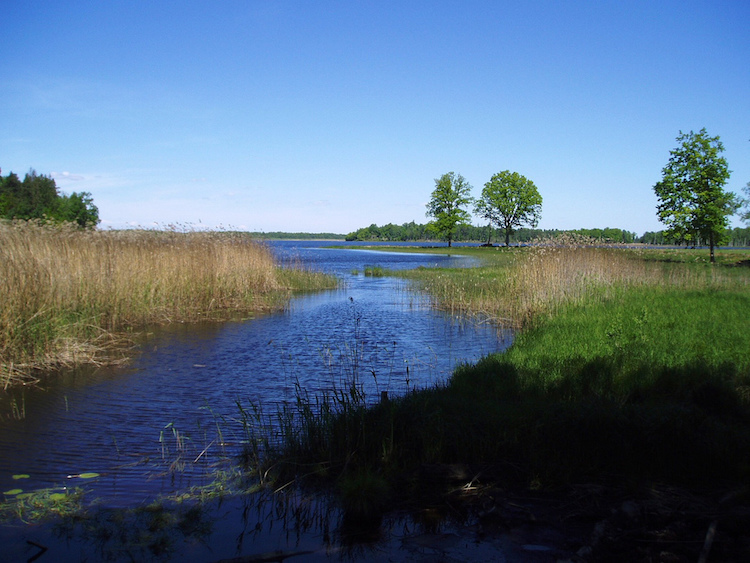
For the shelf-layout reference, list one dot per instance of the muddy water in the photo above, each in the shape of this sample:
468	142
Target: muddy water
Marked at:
170	418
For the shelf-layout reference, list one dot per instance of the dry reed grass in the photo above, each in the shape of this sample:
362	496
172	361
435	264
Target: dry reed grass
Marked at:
65	291
555	272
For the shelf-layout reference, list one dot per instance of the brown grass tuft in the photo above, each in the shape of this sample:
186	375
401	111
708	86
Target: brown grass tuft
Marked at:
538	279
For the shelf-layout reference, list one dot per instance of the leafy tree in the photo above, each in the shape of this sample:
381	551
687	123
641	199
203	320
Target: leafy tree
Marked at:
510	200
33	198
446	206
745	216
41	194
11	189
37	198
78	208
692	202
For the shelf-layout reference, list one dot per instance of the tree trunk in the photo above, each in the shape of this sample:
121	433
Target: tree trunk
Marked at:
507	237
711	245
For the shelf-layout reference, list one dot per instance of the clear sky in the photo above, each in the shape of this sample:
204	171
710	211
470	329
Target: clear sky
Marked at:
329	116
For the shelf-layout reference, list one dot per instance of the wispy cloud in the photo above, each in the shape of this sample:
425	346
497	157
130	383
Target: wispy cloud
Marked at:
67	176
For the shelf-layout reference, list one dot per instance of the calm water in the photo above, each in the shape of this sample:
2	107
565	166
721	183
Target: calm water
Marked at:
155	426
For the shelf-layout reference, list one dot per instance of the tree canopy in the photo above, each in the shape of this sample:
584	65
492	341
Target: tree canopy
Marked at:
510	200
37	197
746	204
446	206
692	202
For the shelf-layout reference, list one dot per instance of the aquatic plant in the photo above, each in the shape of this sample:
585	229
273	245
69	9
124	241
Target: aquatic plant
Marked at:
374	271
41	504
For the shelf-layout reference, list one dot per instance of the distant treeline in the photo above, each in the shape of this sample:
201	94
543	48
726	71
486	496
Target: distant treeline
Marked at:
470	233
37	197
276	235
735	237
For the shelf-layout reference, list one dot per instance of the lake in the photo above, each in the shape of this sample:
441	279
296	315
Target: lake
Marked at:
169	419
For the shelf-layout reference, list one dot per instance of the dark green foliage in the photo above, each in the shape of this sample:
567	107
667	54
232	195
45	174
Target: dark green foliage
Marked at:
391	233
37	197
745	204
77	208
30	199
470	233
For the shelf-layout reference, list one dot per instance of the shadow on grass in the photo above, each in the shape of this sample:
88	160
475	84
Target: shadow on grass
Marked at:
608	419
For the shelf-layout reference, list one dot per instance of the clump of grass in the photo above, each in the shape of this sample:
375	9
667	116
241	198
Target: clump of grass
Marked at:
374	271
537	280
66	292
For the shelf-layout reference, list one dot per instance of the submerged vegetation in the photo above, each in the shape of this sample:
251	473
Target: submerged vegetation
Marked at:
67	292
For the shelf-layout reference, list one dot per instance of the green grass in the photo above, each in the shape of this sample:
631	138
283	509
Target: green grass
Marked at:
652	384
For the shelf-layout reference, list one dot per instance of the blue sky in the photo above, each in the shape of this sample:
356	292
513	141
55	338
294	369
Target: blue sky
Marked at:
330	116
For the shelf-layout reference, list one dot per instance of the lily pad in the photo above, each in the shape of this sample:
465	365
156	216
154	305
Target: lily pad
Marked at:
13	492
57	496
87	475
20	476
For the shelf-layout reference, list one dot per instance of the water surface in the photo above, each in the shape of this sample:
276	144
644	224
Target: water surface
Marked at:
163	422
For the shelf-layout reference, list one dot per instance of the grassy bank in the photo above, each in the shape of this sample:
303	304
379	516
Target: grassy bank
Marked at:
630	369
67	293
518	285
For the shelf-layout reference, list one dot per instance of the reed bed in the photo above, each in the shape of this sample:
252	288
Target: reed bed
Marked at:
66	292
537	280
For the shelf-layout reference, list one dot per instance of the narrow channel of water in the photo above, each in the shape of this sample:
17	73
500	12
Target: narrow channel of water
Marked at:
155	426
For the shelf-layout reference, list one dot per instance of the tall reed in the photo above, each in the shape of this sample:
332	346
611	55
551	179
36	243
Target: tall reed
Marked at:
538	280
65	291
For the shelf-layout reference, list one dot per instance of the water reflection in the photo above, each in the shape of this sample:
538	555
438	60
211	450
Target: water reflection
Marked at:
257	527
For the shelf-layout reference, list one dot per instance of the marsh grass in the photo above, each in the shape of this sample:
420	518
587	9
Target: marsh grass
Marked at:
518	285
68	293
374	271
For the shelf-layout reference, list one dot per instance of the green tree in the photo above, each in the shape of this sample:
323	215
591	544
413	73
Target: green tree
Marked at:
78	208
692	202
446	206
510	200
33	198
37	198
40	194
11	190
746	204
